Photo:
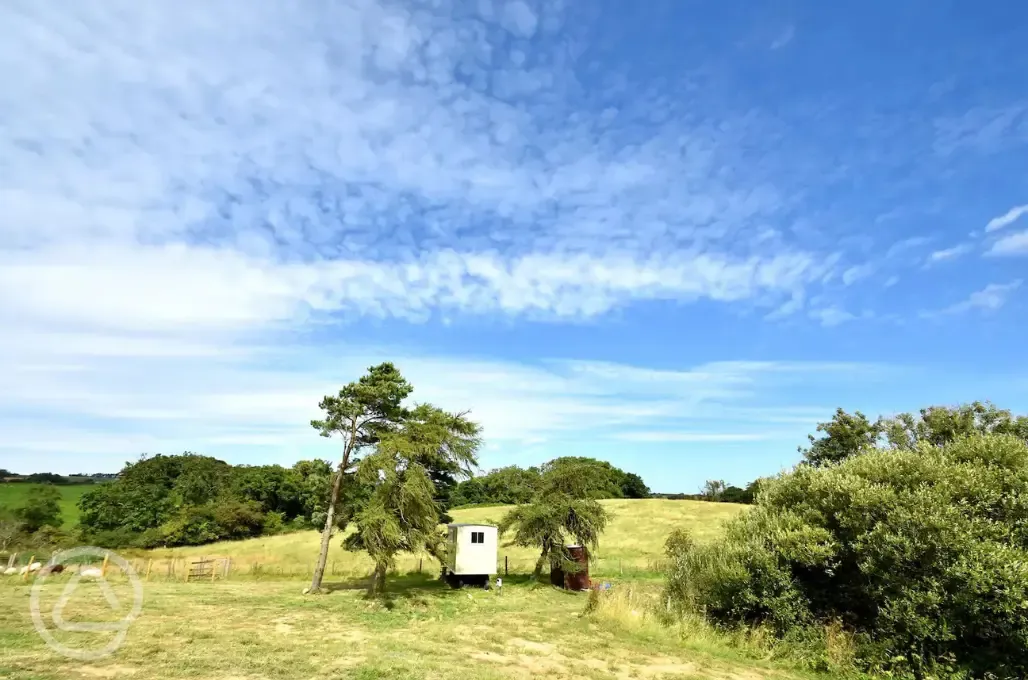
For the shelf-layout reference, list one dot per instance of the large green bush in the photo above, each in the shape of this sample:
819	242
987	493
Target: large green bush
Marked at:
922	553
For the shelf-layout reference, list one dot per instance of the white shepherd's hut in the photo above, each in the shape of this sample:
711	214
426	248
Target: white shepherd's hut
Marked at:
470	554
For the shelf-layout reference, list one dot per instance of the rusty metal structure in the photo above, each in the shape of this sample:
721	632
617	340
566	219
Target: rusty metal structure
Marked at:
578	580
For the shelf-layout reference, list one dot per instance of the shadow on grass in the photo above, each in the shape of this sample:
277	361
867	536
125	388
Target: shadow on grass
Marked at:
416	586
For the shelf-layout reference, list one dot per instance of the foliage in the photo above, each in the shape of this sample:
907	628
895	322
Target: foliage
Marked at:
922	552
10	529
564	508
846	435
191	499
46	478
361	414
42	507
402	512
513	485
713	489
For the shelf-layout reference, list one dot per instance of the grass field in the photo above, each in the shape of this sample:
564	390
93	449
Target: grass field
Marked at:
631	545
12	495
245	628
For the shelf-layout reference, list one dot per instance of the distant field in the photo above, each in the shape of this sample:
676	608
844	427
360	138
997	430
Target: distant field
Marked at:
12	495
632	544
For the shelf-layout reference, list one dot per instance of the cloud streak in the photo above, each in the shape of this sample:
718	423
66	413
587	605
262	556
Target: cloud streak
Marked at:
1006	219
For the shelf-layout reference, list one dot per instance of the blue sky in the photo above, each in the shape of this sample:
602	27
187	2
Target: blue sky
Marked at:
675	235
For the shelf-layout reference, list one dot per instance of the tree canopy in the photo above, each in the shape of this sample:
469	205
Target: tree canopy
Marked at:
513	485
848	434
564	511
402	512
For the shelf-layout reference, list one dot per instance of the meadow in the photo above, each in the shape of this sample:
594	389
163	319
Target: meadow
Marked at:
632	544
13	494
251	628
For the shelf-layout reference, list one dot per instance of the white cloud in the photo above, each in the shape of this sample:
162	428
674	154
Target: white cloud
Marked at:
244	403
1012	244
832	316
1007	218
673	436
990	298
949	253
186	166
856	273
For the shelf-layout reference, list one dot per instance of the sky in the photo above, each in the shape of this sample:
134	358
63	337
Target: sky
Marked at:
672	235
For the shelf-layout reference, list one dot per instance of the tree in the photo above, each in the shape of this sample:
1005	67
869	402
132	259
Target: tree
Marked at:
360	415
632	486
845	435
562	509
713	489
940	425
42	506
10	528
402	512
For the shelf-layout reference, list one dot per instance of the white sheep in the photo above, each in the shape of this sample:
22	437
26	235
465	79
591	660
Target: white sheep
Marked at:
10	571
32	567
91	572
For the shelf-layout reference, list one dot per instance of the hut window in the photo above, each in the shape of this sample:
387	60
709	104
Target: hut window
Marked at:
478	537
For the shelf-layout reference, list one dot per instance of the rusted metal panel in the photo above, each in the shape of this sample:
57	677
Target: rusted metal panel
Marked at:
578	580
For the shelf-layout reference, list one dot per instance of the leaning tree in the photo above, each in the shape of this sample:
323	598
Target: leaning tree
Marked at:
360	415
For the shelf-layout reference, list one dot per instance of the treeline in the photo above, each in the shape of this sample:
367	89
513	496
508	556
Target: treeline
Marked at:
901	540
52	478
514	485
192	499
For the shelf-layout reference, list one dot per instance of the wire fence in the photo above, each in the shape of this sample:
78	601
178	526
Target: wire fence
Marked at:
216	568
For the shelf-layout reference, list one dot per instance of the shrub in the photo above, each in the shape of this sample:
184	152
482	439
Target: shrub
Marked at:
922	553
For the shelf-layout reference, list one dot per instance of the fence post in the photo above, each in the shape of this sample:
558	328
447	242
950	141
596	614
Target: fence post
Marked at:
28	569
506	566
103	569
149	566
228	564
419	565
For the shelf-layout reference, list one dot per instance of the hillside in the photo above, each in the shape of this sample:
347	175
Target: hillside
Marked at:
633	542
12	495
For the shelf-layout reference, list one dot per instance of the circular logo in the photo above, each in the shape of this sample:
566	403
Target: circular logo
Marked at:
119	627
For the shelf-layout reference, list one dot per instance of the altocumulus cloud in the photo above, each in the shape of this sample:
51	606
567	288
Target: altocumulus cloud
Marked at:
194	164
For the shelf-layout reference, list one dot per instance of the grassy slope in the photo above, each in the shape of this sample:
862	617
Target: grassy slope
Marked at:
12	495
631	544
266	630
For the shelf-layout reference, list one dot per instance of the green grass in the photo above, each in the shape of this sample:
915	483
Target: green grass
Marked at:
250	628
632	544
270	631
13	494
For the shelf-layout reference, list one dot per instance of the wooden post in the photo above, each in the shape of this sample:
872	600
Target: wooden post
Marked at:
419	564
103	569
228	564
214	571
11	560
506	569
28	569
149	566
333	568
185	571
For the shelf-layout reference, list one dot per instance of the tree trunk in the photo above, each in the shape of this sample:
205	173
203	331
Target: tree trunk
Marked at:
326	534
539	563
378	579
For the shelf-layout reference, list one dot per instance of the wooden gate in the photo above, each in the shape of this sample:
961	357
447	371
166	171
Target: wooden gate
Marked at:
208	569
